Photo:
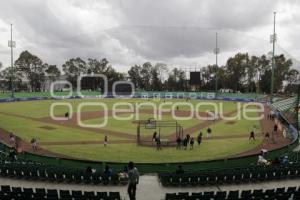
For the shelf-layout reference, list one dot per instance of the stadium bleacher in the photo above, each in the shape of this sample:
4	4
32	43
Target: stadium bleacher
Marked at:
32	171
290	193
234	175
26	169
17	193
284	105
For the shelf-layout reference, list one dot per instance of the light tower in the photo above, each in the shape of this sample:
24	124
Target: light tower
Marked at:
273	39
12	44
216	51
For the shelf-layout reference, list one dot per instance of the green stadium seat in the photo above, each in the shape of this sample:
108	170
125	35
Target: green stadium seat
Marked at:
77	194
114	196
65	194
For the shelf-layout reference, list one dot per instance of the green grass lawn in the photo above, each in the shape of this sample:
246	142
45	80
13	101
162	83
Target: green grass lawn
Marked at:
28	128
39	109
128	126
239	127
208	150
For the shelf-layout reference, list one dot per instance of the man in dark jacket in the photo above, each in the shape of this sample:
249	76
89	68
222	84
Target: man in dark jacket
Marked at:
133	176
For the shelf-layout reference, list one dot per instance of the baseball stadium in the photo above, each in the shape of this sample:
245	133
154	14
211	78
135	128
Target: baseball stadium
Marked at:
87	128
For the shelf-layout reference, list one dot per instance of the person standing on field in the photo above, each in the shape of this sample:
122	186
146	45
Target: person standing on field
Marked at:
178	142
133	180
154	137
33	144
252	136
12	139
199	138
105	140
192	141
208	133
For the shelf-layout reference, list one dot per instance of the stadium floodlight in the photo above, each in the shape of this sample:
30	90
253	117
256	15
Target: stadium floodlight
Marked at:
216	52
273	39
12	44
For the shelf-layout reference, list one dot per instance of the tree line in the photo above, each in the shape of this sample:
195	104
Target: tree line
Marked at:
242	72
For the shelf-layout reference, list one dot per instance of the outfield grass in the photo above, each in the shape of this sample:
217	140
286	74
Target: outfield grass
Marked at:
39	109
27	129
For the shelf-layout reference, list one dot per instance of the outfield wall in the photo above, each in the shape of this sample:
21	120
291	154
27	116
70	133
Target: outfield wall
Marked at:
247	97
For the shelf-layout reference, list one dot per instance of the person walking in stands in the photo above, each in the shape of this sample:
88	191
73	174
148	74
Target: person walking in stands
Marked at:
89	170
33	144
105	140
133	180
179	170
108	171
178	142
199	138
208	133
192	143
252	136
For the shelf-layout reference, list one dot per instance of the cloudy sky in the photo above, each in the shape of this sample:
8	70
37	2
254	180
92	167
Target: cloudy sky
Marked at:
127	32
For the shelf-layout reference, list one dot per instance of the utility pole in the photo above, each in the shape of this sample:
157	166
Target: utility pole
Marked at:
12	44
273	39
216	51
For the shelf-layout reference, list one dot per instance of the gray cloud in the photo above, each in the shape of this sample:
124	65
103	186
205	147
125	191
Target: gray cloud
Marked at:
127	32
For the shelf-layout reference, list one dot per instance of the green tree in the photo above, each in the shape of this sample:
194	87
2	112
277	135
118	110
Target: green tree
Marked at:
135	76
177	80
283	66
263	68
97	66
236	70
7	75
292	77
73	68
157	74
32	68
52	72
251	68
112	76
146	76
